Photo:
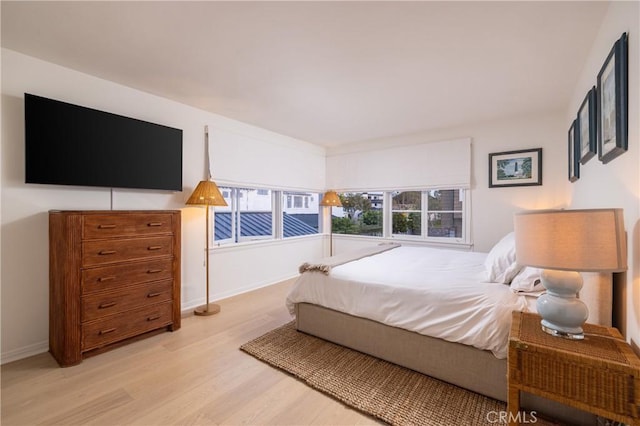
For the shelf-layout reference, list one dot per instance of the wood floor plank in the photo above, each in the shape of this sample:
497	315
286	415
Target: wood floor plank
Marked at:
82	414
196	375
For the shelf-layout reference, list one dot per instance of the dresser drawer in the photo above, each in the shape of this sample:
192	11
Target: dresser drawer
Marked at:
99	305
110	251
122	225
118	327
117	276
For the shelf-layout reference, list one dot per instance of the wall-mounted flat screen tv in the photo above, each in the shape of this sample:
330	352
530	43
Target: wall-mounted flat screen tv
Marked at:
67	144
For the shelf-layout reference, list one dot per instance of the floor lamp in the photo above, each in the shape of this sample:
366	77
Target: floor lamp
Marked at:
207	194
330	199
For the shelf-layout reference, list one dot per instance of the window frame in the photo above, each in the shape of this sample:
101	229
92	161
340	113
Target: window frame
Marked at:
362	193
387	218
236	217
279	198
272	236
464	199
421	211
305	197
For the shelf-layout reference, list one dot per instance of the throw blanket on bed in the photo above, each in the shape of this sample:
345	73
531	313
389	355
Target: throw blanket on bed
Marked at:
324	265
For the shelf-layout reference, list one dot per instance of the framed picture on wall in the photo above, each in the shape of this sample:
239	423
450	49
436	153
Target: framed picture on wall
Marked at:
574	152
586	127
515	168
612	95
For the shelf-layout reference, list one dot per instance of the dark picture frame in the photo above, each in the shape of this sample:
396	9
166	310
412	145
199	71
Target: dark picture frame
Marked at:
573	152
586	127
612	95
515	168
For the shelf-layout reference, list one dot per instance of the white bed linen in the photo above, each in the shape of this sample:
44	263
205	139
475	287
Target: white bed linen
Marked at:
435	292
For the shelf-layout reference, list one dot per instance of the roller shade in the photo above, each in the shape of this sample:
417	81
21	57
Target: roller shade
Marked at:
422	166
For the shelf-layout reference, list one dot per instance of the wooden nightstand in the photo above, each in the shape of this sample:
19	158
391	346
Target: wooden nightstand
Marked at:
600	374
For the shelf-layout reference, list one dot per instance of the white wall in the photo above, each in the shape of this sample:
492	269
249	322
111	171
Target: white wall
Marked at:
493	208
616	184
239	151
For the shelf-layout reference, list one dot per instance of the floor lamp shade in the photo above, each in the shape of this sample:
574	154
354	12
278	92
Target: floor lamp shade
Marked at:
563	243
331	199
207	194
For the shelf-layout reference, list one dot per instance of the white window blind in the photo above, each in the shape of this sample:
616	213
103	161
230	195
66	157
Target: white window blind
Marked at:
445	164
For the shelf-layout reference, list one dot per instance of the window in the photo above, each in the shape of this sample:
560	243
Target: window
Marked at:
296	219
435	214
361	214
248	216
224	226
406	213
255	214
445	213
265	214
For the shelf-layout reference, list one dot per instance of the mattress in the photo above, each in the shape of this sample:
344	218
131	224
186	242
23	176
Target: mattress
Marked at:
435	292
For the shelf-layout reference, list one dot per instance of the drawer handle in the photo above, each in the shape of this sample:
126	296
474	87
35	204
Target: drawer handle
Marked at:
109	278
153	318
107	331
154	247
154	271
154	224
153	295
105	252
107	226
106	305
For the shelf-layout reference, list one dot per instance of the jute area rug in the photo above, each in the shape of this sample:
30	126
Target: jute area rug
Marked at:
391	393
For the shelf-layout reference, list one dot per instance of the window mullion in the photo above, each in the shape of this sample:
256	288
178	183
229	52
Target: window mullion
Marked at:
386	215
235	216
277	219
425	214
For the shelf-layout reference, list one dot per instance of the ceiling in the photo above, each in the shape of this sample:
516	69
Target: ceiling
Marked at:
329	73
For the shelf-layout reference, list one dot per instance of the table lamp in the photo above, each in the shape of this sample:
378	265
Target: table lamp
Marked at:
330	199
564	243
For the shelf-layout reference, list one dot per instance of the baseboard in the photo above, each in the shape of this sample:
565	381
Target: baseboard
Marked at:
24	352
187	308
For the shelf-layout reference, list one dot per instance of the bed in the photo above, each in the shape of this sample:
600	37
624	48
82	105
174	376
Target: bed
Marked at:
444	313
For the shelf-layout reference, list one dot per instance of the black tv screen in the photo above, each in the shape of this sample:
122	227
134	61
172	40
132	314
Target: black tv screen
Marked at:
67	144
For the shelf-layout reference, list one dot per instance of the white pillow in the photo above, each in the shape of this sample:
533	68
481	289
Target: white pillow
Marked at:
501	263
527	280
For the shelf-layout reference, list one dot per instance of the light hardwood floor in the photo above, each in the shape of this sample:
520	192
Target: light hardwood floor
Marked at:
194	376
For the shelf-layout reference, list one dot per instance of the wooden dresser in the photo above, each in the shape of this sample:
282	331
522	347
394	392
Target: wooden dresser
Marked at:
114	276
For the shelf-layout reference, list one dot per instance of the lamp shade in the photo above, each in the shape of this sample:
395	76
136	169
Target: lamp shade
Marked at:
330	198
206	194
572	240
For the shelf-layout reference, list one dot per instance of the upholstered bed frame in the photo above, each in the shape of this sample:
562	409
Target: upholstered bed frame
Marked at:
465	366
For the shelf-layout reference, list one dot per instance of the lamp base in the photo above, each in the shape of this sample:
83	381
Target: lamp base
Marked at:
562	312
559	333
205	310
